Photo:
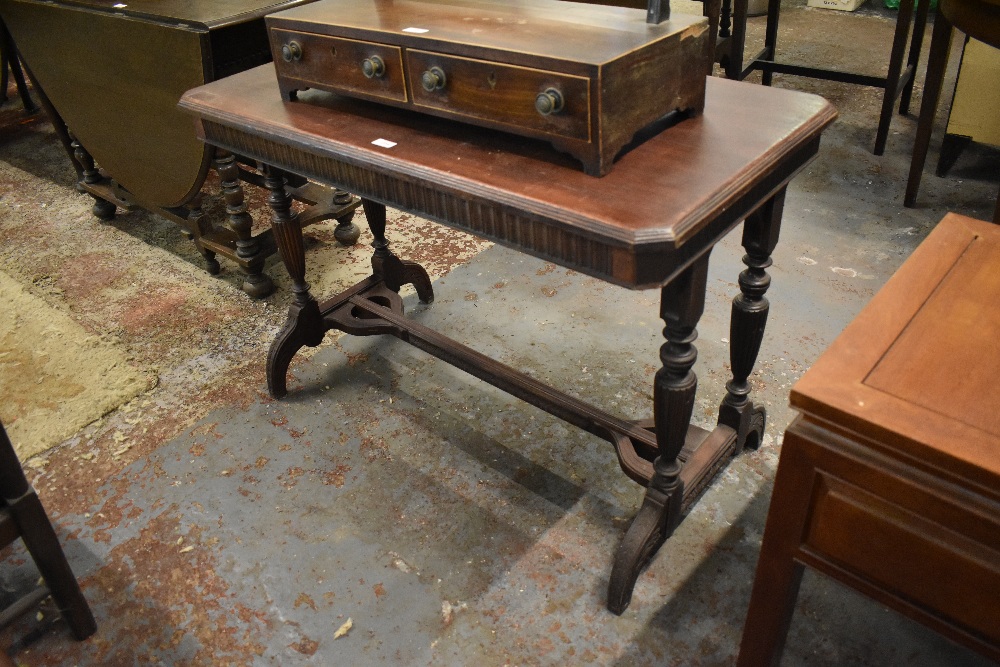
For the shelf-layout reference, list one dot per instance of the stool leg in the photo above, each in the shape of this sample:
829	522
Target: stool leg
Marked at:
937	61
776	583
892	76
738	40
771	38
913	60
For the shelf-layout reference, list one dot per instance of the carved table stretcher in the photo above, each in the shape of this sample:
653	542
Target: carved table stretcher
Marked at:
652	222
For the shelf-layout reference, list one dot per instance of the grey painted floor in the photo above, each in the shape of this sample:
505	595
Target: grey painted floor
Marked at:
456	526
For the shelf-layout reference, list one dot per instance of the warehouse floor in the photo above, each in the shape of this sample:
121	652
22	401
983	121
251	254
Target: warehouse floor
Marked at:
452	525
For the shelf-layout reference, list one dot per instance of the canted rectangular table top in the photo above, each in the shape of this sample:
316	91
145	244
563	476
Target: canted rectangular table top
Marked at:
919	368
665	202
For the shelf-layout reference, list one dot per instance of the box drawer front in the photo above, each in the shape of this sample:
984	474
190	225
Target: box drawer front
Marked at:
358	68
926	548
502	94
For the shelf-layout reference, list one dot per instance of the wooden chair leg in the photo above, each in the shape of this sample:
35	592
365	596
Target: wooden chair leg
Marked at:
937	61
40	539
35	529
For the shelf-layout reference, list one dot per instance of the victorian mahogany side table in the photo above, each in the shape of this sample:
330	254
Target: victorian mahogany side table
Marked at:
651	222
889	480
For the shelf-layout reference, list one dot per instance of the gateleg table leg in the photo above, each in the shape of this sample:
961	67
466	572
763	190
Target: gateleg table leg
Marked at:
255	282
682	302
747	322
90	175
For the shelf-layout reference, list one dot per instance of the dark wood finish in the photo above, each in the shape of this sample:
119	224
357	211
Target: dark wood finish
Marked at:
609	72
22	515
889	480
111	77
952	146
115	75
979	19
10	65
700	178
727	27
897	81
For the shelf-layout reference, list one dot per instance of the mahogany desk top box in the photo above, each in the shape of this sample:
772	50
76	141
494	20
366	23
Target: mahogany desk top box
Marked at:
583	77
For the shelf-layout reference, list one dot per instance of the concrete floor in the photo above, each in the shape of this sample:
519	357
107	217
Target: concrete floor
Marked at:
452	524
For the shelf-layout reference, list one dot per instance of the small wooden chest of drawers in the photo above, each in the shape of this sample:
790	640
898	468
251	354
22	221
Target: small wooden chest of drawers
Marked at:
584	77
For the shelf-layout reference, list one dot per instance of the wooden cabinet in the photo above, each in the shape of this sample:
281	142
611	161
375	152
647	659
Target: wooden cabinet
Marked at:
889	481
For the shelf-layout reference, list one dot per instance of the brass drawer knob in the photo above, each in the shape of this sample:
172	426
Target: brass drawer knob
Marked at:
549	102
433	79
291	51
373	67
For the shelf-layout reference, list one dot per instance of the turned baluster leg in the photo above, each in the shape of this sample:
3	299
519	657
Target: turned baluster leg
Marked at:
393	271
682	302
725	18
103	209
746	327
347	233
255	283
375	214
195	221
304	325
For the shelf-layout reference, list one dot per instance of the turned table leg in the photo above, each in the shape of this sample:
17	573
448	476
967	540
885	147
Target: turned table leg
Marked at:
103	209
255	283
347	233
682	302
304	325
195	216
393	271
746	327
